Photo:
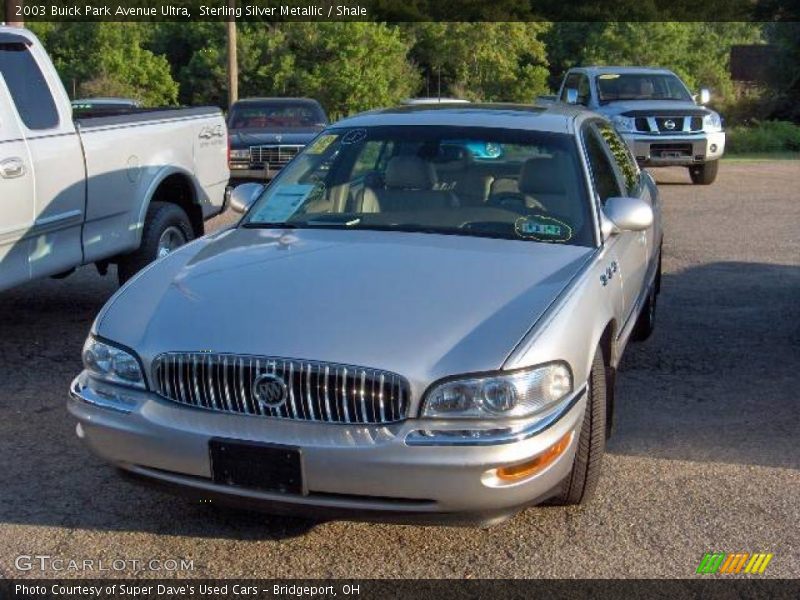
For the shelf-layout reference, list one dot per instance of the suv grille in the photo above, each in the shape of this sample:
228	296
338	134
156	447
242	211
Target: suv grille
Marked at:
314	391
274	156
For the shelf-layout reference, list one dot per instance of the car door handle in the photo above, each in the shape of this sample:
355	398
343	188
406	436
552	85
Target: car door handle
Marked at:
11	168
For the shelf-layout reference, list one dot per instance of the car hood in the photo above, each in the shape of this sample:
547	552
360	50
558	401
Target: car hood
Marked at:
421	305
244	138
651	106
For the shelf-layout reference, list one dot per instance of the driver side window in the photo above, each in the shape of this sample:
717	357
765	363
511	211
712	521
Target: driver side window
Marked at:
603	174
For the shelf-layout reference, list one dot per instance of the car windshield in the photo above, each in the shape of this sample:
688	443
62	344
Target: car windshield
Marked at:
502	183
641	86
264	115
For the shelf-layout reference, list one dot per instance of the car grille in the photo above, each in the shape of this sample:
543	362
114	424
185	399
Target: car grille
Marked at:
274	156
661	125
314	391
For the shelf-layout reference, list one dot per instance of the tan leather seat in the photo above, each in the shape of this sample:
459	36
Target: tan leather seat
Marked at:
465	179
550	182
410	184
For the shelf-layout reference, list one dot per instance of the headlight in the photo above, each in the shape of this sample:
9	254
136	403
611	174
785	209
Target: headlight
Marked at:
112	364
712	122
624	123
241	153
519	394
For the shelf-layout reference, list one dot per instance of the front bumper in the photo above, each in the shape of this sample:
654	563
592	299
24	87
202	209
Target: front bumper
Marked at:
241	173
364	472
675	150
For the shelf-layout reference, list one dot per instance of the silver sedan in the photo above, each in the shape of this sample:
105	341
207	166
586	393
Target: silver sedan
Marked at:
420	318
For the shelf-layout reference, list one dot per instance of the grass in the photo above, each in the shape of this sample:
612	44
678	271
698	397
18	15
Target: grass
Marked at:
775	138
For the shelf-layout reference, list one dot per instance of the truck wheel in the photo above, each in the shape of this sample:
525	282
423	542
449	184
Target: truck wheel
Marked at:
704	174
646	322
166	227
581	483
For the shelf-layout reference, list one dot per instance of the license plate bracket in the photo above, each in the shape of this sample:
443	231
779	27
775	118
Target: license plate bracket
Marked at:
254	465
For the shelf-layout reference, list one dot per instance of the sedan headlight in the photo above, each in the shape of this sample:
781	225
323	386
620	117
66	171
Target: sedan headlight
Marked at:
242	153
521	393
624	123
712	122
112	364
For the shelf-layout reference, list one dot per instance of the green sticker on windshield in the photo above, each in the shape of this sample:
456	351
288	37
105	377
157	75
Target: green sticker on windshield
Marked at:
543	229
321	144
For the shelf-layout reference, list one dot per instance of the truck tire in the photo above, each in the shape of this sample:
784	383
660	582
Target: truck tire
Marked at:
166	227
582	481
704	174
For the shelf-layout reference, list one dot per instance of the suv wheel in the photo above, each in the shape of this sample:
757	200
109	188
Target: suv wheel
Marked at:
582	481
166	228
704	174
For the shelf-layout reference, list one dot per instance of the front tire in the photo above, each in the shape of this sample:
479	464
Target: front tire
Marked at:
582	481
166	228
704	174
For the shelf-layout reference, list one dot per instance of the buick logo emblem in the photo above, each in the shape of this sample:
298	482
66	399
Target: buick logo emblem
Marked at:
669	124
270	391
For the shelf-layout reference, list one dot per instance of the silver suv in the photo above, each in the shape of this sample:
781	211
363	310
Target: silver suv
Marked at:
656	115
421	317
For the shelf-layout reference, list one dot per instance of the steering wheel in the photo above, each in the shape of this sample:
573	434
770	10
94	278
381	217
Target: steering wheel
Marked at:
514	201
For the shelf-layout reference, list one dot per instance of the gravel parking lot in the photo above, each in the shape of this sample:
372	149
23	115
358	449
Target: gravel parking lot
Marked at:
705	456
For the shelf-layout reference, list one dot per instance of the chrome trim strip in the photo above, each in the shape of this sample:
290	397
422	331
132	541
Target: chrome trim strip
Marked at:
417	438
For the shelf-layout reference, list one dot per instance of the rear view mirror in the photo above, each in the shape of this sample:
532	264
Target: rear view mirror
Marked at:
627	214
572	96
243	196
705	96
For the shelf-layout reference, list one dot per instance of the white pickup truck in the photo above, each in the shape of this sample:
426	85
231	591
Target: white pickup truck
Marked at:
121	190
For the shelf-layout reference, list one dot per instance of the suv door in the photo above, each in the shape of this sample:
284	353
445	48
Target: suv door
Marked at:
627	249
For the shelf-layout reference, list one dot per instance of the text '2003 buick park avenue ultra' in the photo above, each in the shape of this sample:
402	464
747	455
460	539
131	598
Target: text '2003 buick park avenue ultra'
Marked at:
420	317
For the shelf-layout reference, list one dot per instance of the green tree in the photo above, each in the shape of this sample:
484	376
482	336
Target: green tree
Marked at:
492	62
108	59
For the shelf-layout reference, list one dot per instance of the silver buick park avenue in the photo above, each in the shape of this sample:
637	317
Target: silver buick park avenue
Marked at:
419	319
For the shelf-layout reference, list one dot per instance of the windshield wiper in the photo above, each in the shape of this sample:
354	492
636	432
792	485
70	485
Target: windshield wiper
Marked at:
269	225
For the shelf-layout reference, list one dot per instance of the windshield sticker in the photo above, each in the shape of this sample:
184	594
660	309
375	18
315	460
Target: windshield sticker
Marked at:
608	76
283	203
321	144
543	229
354	136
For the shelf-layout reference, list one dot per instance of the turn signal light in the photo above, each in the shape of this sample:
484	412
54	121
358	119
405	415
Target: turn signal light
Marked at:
537	463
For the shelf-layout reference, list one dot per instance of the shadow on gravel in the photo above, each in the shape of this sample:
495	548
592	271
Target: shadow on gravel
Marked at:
718	380
716	383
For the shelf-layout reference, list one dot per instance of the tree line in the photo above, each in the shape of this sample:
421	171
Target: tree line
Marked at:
355	66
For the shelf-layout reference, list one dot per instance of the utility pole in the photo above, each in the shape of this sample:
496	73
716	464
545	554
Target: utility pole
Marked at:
11	17
233	65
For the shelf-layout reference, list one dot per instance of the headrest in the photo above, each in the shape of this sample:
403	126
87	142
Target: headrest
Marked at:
543	175
407	172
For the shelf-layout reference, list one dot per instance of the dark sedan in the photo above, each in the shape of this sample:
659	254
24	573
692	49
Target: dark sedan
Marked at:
266	133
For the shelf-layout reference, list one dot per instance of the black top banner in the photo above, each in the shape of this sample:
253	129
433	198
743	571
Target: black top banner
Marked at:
394	11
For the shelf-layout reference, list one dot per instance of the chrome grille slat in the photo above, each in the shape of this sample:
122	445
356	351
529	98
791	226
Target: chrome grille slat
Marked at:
278	155
317	391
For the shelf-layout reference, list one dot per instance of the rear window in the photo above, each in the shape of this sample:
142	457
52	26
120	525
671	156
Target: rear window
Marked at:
27	86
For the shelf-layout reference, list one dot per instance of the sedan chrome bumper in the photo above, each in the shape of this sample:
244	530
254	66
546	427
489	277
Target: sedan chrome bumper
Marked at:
349	471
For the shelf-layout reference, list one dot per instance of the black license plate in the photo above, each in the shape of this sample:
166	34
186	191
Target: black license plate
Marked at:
269	467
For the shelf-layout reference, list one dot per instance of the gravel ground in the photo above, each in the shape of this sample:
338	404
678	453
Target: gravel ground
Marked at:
705	454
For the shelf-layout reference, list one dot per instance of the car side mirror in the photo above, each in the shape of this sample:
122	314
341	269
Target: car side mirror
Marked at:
626	214
705	96
572	96
243	196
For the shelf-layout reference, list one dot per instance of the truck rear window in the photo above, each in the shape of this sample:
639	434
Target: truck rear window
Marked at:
27	86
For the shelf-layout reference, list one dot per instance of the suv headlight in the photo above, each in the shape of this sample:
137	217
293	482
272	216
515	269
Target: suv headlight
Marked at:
712	122
522	393
112	364
624	123
240	153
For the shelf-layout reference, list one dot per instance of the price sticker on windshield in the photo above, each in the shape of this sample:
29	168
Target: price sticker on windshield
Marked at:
543	229
319	145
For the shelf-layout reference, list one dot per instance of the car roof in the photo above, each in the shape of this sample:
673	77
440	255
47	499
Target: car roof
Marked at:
557	118
600	70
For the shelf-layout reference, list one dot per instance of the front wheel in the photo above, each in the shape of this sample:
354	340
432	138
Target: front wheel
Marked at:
582	481
166	228
704	174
